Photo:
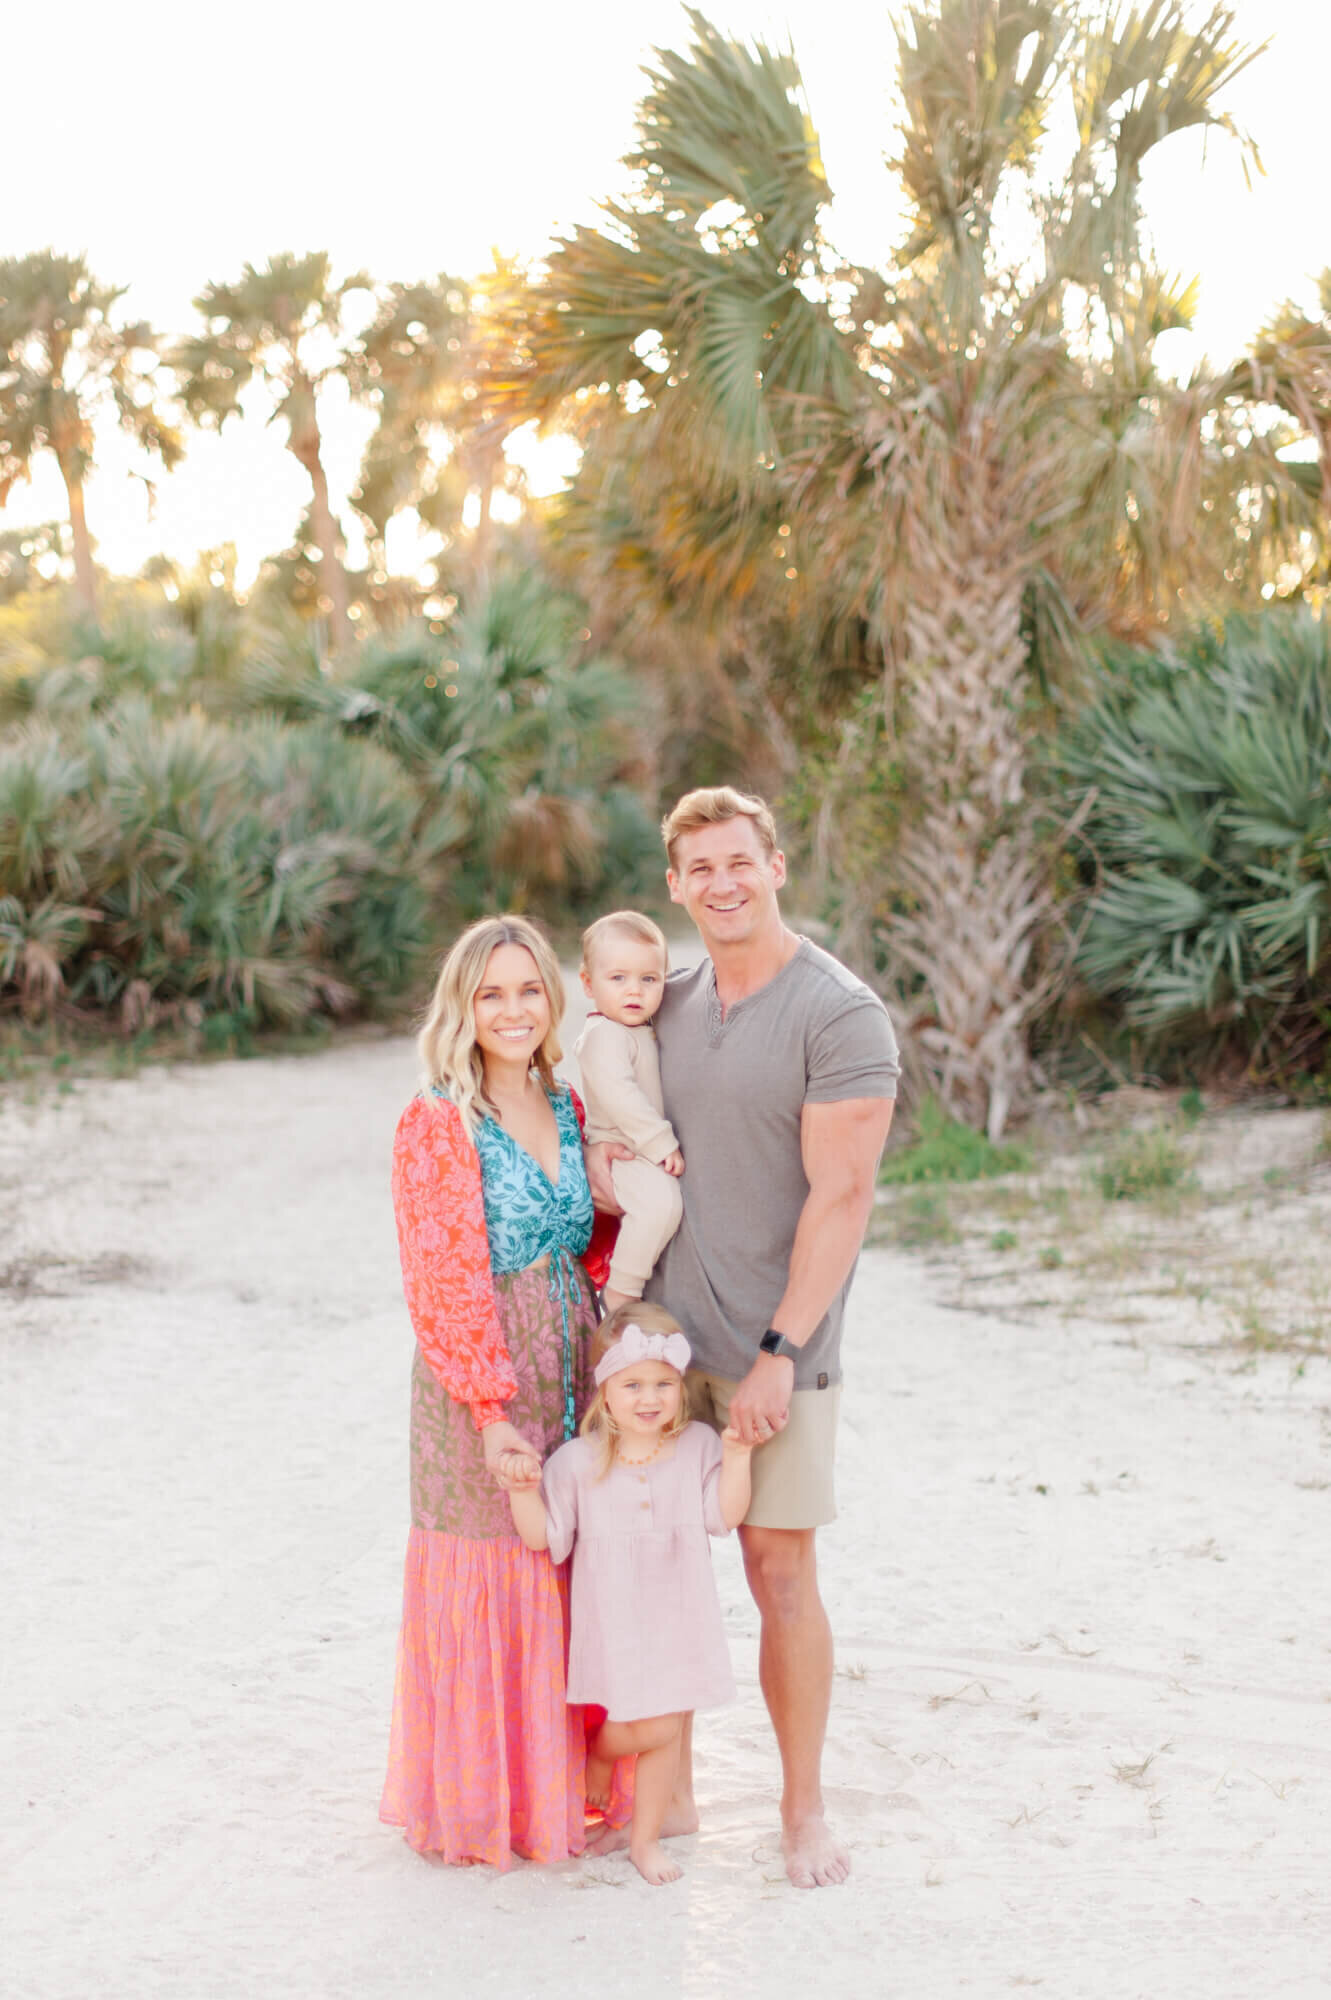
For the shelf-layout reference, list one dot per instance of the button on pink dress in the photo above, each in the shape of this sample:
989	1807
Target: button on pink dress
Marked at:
647	1637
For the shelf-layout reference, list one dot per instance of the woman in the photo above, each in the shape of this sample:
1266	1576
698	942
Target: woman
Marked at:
493	1215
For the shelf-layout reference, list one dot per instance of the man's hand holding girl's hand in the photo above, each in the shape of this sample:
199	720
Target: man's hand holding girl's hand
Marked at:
733	1445
760	1406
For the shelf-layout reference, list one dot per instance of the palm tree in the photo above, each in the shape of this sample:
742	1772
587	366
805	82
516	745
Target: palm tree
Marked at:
973	453
422	364
64	361
282	326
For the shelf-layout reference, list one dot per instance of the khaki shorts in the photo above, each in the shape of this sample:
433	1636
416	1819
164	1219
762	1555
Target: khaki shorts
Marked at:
792	1473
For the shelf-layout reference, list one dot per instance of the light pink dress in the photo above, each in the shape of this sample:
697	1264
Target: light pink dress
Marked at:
647	1637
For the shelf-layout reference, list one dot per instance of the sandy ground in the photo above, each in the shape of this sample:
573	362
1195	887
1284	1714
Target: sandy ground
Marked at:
1081	1738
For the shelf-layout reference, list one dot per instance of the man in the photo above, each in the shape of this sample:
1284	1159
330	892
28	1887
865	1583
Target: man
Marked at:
779	1070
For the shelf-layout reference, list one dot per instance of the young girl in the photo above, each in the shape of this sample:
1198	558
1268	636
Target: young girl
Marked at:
624	964
635	1498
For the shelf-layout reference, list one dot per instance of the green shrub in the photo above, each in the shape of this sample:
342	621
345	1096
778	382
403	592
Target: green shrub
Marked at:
944	1150
1142	1164
199	821
1207	857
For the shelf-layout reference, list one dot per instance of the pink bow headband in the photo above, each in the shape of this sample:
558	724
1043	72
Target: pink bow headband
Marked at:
634	1345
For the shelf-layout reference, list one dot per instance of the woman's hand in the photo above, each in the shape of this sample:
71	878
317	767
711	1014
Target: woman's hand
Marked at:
599	1159
503	1441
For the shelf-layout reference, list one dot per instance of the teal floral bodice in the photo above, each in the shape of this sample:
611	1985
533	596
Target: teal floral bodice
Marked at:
526	1214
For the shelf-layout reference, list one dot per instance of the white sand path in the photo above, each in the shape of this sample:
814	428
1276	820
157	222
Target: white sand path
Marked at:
1082	1729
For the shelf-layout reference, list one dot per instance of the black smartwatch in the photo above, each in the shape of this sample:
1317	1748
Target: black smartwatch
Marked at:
773	1342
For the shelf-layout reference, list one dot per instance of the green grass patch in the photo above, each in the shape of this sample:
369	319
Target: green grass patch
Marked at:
945	1150
1140	1165
922	1218
1003	1239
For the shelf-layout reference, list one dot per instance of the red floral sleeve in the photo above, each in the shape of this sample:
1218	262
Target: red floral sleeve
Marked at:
446	1258
605	1228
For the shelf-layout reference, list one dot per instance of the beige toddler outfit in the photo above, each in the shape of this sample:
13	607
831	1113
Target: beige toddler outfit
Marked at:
621	1088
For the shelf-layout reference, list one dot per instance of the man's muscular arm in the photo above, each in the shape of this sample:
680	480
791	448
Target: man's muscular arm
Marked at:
841	1145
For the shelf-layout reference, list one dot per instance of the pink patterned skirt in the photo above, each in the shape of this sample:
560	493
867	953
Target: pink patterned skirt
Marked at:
486	1758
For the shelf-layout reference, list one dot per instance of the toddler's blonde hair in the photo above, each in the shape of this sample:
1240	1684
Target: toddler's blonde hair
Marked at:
597	1423
627	923
447	1042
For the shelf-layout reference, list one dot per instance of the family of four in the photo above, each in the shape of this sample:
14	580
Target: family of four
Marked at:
714	1192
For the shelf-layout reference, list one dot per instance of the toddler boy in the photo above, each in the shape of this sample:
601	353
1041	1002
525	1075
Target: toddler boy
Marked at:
624	964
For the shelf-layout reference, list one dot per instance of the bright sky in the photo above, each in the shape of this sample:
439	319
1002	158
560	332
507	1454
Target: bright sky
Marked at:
173	145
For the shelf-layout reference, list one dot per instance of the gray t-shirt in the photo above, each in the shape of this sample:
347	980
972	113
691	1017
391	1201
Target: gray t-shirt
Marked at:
734	1089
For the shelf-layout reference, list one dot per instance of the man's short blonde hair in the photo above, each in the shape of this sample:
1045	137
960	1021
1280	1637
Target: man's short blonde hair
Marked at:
624	923
712	805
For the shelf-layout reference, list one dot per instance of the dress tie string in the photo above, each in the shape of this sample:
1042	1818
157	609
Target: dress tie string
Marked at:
563	1290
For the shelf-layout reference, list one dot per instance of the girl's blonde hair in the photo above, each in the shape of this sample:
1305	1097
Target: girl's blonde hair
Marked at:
624	923
447	1042
598	1422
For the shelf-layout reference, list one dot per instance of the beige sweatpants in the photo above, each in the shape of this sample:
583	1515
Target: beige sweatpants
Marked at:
653	1209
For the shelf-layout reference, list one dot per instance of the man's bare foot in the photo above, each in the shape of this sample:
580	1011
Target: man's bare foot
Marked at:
600	1779
815	1859
653	1863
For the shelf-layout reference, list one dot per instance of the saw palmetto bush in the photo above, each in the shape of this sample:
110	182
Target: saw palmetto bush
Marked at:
182	866
524	747
1207	857
196	821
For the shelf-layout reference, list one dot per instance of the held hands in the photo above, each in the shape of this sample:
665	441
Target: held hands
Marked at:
760	1407
509	1459
518	1471
674	1164
733	1445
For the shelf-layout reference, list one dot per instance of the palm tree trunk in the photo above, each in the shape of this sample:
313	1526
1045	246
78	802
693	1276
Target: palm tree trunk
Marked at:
332	574
969	861
85	576
307	445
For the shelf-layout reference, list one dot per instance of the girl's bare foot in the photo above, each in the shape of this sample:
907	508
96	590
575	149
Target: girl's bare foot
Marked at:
653	1863
600	1778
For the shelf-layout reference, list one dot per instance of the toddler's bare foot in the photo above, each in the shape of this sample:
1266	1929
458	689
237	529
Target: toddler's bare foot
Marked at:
608	1840
815	1859
653	1863
600	1779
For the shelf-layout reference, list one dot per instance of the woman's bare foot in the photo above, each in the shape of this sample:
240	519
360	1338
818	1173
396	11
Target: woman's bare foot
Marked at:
600	1779
653	1863
815	1859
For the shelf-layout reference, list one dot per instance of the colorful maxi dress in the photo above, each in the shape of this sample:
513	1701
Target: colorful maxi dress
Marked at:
486	1759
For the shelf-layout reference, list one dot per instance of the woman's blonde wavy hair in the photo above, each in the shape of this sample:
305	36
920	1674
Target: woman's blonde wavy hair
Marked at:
447	1042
